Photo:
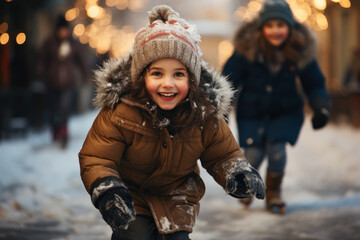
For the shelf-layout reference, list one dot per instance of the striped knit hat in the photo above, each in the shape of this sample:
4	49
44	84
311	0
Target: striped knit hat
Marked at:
167	36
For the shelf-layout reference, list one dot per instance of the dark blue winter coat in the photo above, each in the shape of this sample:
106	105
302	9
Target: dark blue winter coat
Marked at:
269	106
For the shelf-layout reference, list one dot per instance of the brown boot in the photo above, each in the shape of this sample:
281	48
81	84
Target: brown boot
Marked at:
274	203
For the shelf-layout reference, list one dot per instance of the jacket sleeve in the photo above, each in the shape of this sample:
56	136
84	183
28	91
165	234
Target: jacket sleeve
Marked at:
313	83
221	151
102	150
234	70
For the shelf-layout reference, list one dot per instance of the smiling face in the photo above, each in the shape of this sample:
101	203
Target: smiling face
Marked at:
276	32
167	82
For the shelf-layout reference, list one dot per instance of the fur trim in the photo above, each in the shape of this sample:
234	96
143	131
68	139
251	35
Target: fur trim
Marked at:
112	79
220	89
246	41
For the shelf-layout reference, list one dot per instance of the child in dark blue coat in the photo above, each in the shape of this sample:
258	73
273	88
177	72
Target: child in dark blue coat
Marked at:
271	51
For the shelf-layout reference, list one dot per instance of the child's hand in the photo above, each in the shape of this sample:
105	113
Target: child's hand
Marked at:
244	181
320	118
116	208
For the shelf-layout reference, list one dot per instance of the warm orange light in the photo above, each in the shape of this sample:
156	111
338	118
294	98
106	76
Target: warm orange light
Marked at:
345	3
3	27
225	49
95	12
320	4
254	6
301	15
122	4
136	5
20	38
110	3
239	13
79	30
4	38
71	14
321	21
84	39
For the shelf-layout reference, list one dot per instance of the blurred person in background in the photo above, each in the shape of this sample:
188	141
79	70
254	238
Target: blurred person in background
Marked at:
352	76
60	63
271	51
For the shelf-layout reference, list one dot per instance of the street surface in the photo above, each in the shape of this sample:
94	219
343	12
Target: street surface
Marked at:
42	196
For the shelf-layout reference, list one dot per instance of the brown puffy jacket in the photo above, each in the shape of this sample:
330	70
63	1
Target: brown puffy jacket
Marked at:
160	170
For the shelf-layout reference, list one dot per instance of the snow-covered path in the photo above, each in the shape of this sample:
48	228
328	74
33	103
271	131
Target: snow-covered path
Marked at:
42	196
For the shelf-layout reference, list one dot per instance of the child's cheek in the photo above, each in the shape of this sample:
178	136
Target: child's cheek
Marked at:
183	90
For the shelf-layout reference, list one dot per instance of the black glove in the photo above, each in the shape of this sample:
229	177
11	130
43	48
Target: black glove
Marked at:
244	181
320	118
116	208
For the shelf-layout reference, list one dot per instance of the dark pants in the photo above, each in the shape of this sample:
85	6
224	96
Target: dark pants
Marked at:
144	228
275	152
60	105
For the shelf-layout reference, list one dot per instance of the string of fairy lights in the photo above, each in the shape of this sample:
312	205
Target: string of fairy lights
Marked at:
93	21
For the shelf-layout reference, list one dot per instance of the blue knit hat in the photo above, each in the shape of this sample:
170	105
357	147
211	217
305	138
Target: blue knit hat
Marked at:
276	9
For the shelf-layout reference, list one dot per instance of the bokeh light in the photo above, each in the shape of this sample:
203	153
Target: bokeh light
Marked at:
225	49
345	3
79	30
72	14
4	38
3	27
93	20
21	38
310	12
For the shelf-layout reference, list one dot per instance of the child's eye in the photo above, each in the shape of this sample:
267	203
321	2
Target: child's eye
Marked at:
179	74
156	74
281	24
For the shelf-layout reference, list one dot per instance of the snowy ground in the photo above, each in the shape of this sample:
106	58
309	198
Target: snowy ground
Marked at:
42	197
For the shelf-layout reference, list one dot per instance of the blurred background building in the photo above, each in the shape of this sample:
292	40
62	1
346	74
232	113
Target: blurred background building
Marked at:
106	28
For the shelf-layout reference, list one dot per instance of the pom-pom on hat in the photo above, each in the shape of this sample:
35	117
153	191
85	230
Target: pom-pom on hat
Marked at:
276	9
167	36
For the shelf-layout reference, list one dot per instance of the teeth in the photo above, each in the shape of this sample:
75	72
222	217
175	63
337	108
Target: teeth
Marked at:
167	94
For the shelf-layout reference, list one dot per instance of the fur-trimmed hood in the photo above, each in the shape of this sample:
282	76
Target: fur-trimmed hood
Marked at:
246	41
112	79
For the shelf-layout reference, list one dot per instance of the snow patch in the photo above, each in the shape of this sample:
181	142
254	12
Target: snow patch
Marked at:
165	224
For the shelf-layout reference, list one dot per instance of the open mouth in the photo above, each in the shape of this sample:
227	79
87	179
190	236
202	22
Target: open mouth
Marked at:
167	95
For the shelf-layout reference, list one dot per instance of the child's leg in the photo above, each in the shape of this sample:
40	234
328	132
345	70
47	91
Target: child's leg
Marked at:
182	235
276	153
277	160
143	227
254	155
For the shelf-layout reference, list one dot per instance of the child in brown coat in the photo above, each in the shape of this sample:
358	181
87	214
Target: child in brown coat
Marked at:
162	111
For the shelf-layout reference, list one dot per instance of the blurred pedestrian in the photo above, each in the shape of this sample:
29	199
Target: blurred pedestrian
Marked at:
352	77
271	51
60	62
162	110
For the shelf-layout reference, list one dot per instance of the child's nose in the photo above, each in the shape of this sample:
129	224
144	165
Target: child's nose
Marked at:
168	81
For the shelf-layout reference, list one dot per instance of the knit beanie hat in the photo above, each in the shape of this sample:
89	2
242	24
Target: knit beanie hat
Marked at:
166	36
276	9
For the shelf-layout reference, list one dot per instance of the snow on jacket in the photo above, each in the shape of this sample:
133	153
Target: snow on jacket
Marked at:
160	170
270	105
